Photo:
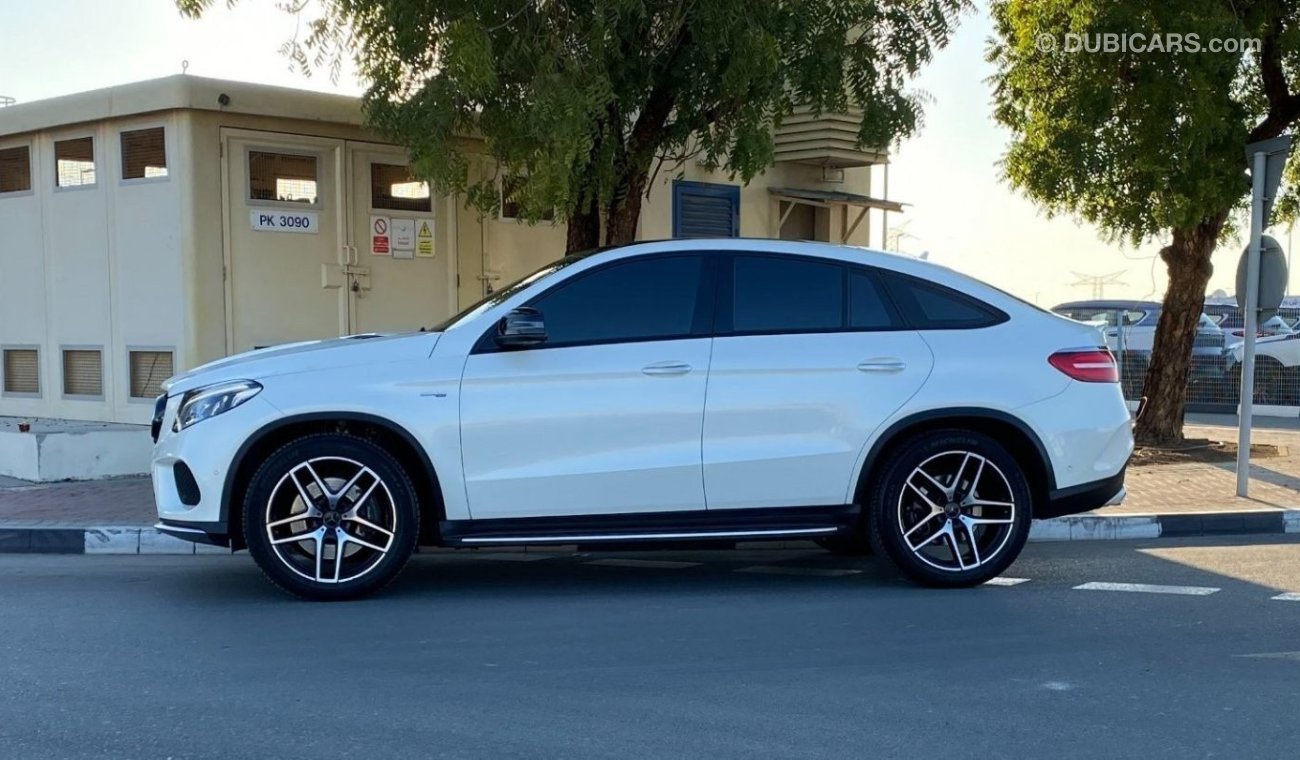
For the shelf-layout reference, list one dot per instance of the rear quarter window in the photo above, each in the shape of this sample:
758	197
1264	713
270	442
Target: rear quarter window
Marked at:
929	306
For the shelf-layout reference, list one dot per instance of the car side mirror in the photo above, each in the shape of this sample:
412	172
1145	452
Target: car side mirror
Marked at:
521	328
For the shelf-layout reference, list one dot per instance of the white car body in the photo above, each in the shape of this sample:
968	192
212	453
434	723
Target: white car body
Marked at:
701	424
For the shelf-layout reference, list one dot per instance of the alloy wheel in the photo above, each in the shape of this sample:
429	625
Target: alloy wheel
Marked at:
331	520
956	511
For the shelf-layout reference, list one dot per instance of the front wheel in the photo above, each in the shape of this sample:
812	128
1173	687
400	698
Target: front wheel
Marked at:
331	516
950	508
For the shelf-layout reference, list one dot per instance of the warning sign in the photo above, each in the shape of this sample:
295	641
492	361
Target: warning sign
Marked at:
379	240
424	240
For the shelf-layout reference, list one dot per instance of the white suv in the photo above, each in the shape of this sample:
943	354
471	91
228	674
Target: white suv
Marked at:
675	391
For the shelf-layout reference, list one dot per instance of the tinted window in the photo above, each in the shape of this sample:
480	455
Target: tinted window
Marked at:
784	294
927	306
868	309
636	300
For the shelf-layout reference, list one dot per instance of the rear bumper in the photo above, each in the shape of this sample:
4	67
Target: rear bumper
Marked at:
1084	497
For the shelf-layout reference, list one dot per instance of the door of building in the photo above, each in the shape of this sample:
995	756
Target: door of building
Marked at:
401	275
329	237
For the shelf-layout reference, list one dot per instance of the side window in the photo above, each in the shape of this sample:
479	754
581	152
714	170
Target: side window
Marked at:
868	305
927	306
644	299
773	294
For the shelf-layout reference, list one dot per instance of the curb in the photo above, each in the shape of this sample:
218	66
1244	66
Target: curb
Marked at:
146	540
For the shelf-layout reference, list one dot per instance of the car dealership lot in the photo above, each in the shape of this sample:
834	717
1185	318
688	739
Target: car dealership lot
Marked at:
669	654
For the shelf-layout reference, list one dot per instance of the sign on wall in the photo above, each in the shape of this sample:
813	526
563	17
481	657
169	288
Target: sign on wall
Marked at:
284	220
403	235
424	239
379	238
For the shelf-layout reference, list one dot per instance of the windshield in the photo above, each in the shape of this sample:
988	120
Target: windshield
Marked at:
496	297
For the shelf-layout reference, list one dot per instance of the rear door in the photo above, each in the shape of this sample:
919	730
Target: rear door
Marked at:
809	359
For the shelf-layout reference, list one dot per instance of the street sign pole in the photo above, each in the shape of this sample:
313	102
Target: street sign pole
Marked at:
1251	320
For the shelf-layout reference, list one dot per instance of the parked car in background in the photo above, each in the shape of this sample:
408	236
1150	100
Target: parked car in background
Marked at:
1137	320
1229	319
852	396
1277	369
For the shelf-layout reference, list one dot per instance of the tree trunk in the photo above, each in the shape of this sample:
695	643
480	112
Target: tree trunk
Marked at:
584	229
1187	259
625	211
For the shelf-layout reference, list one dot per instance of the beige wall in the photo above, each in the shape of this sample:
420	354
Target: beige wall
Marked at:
127	265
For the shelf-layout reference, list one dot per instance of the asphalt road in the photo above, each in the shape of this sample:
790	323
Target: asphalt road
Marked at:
493	656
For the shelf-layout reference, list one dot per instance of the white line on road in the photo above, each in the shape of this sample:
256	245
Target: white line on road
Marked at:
1288	597
1002	580
824	572
667	564
1146	588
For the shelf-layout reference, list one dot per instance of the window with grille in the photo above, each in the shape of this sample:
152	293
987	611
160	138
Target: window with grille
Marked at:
510	207
22	370
393	187
148	370
74	162
15	169
144	153
83	372
288	177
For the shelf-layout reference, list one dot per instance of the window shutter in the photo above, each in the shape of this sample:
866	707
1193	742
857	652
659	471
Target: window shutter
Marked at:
705	210
148	371
83	372
22	370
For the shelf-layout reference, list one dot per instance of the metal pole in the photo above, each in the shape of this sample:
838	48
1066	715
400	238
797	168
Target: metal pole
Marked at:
1251	323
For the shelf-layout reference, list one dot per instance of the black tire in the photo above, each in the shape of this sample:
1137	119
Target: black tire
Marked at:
387	517
848	545
939	558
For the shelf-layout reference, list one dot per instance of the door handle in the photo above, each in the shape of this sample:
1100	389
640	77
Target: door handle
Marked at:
883	365
666	368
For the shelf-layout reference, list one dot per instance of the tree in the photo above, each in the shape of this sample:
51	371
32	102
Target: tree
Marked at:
581	100
1146	142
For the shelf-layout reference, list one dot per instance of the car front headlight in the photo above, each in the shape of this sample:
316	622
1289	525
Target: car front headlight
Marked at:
201	403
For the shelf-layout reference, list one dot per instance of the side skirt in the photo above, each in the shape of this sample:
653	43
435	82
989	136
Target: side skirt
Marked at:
654	527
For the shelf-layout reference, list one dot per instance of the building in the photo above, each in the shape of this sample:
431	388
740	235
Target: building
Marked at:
155	226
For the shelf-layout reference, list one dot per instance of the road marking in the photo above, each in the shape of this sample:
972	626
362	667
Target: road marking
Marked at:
824	572
1002	580
1146	588
1271	656
1288	597
668	564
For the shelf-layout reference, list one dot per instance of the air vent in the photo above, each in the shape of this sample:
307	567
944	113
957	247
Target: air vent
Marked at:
22	370
148	371
83	372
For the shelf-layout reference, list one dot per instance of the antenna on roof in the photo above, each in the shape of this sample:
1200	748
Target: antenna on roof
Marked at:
1098	282
6	101
185	65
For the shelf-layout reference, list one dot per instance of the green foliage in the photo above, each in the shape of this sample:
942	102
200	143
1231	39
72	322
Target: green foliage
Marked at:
1138	142
581	97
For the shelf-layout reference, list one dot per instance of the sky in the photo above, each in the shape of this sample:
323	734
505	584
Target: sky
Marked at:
959	209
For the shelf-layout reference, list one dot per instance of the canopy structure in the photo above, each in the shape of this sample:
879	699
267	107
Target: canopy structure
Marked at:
787	198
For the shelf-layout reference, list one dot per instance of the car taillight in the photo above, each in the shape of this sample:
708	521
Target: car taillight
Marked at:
1092	365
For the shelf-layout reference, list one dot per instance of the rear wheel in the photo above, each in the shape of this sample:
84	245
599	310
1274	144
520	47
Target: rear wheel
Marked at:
950	508
331	516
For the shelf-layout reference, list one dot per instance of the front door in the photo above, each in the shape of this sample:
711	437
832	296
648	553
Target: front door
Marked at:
401	275
800	378
605	416
286	237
